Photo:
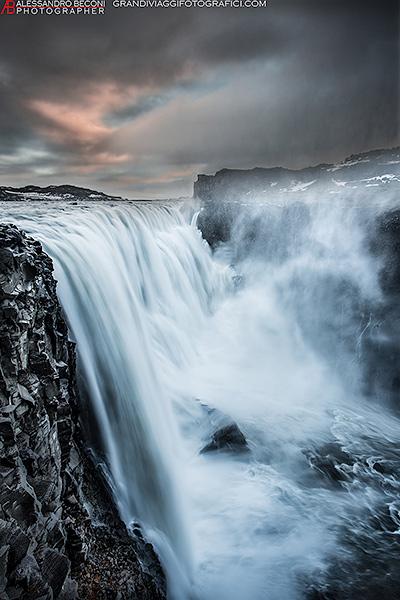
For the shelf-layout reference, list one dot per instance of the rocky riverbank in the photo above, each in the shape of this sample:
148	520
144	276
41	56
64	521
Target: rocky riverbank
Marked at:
60	534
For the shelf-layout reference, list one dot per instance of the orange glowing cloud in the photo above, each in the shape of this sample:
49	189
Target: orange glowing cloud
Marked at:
66	122
82	124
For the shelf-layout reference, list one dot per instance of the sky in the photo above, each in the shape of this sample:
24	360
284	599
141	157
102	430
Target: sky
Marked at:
137	102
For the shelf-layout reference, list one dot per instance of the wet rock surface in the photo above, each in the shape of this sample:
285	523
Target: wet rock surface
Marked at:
227	438
60	534
381	344
226	435
331	462
367	566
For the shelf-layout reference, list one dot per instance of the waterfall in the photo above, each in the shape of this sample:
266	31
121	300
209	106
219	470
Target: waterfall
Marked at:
300	351
136	284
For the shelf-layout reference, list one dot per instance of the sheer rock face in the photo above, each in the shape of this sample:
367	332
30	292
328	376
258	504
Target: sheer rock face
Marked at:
60	535
268	214
230	193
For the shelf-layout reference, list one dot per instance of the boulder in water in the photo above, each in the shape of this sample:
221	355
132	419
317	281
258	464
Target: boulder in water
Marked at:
227	438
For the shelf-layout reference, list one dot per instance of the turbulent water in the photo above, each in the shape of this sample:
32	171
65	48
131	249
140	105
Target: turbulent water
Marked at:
276	329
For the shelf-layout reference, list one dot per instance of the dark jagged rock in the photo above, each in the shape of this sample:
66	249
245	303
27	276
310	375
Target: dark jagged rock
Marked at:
227	438
60	534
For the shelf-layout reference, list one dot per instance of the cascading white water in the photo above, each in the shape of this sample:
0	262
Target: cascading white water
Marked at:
135	284
159	325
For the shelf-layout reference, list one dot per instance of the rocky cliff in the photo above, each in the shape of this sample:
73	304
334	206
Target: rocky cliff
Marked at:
267	213
227	193
60	535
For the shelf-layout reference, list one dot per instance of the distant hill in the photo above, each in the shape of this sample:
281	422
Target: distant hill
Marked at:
52	192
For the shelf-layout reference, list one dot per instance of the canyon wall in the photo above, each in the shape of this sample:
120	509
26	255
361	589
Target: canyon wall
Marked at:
60	534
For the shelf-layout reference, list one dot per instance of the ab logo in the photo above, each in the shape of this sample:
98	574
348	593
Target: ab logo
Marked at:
8	8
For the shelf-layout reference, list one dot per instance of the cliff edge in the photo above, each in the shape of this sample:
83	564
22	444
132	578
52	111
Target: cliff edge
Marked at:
60	534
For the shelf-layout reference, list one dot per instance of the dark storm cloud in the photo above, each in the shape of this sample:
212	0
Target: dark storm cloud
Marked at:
143	46
142	90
